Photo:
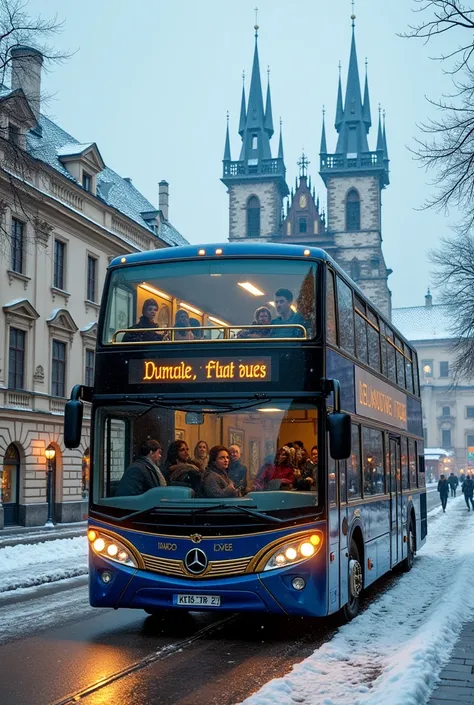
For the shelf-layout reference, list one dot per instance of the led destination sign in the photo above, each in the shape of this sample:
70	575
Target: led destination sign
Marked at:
379	401
202	369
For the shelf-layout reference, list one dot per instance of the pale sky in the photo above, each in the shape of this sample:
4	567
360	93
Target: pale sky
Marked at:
151	82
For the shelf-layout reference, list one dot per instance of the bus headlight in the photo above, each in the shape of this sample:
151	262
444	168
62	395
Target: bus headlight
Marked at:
295	551
111	548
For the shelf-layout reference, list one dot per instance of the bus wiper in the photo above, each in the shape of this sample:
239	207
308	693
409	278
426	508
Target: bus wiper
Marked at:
238	508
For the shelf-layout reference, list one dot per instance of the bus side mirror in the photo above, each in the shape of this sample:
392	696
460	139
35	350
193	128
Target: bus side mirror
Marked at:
340	435
73	423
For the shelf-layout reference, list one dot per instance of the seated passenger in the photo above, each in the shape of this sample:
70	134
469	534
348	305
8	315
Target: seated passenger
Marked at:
278	475
308	474
237	470
215	480
262	317
301	454
182	321
283	301
198	334
201	454
143	474
179	468
147	320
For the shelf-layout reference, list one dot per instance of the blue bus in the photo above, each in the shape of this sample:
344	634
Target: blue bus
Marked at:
274	350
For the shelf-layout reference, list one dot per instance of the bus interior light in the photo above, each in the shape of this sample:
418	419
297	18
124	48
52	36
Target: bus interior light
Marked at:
152	290
251	288
190	308
218	321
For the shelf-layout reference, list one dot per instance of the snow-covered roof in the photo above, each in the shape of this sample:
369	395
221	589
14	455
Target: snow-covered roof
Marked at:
418	323
51	142
437	453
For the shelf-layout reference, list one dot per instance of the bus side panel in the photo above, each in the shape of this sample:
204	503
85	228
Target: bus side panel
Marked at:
404	549
343	557
332	558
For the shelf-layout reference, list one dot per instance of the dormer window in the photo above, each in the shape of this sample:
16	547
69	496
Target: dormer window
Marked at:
14	134
86	181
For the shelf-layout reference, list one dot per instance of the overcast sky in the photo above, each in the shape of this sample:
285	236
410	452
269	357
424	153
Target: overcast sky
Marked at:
151	81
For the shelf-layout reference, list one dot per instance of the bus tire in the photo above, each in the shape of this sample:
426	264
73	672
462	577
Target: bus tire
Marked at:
355	583
407	563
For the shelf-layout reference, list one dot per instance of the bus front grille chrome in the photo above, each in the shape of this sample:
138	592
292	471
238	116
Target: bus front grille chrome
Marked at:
215	569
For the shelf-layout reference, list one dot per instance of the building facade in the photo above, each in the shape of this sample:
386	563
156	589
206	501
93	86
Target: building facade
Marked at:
448	404
63	216
261	206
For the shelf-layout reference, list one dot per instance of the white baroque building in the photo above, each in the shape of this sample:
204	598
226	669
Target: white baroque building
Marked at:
448	406
64	215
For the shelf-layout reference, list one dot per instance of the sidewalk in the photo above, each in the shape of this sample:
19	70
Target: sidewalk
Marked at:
457	677
13	535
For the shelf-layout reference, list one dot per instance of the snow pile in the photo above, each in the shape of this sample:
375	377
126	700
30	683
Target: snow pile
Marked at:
393	652
24	565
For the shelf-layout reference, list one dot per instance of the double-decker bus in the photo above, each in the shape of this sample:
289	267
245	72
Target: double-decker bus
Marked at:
325	368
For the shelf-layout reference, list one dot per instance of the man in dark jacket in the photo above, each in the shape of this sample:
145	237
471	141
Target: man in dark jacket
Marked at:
468	491
443	489
143	474
146	321
237	471
453	483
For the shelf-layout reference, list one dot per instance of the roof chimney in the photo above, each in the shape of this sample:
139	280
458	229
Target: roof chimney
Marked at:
26	74
163	198
428	299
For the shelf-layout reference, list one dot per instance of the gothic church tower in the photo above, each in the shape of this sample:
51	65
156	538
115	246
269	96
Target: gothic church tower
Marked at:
354	177
256	182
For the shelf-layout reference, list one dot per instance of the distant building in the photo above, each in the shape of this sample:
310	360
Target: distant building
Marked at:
353	175
64	215
448	407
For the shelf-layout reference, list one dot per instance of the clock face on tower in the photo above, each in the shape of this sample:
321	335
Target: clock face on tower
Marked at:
303	201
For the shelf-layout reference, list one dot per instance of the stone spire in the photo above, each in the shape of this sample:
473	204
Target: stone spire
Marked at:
268	126
323	148
227	157
366	106
243	113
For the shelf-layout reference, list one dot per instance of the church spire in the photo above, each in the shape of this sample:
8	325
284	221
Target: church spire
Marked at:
366	106
385	148
268	109
323	148
280	144
379	146
353	130
227	157
243	113
339	106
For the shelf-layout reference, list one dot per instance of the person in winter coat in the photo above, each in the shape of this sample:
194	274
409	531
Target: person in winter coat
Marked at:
147	320
178	454
143	474
453	482
238	472
443	489
278	475
215	480
468	491
201	454
308	477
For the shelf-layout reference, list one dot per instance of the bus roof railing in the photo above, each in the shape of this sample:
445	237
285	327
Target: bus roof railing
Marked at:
244	331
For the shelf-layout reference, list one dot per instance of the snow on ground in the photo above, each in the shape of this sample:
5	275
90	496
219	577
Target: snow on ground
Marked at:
23	566
393	652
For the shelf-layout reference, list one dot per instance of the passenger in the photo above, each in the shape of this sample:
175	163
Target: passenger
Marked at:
262	317
147	320
198	334
143	474
201	454
179	468
278	475
283	301
238	472
215	480
308	478
182	321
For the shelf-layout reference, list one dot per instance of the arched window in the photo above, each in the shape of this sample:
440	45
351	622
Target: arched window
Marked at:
302	225
355	269
352	210
253	217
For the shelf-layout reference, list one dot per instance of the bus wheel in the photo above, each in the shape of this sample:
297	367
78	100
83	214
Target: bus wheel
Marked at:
407	563
356	582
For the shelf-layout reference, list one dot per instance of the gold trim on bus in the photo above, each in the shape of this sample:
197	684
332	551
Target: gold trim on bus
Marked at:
215	569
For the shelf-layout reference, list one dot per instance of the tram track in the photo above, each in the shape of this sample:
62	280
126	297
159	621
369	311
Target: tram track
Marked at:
163	653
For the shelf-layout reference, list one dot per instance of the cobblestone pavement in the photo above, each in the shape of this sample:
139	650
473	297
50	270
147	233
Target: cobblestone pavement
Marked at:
456	686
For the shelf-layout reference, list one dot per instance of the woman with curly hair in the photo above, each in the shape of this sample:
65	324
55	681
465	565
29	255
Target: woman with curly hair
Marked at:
279	475
215	480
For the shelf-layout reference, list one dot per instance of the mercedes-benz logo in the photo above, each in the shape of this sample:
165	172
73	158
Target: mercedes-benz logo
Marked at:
195	561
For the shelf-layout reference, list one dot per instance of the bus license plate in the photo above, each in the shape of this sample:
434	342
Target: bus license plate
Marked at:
197	600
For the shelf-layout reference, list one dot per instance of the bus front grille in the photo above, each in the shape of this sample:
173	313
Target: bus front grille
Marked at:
215	569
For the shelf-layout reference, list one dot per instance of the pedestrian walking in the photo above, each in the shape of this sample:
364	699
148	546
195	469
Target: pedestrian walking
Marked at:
443	489
468	491
453	483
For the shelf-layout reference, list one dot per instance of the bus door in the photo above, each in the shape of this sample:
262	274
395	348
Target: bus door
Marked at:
395	495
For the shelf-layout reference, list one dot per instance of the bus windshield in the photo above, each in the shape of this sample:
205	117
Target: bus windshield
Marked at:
272	449
211	300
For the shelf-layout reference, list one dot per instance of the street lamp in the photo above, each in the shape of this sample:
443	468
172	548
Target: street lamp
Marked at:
49	453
